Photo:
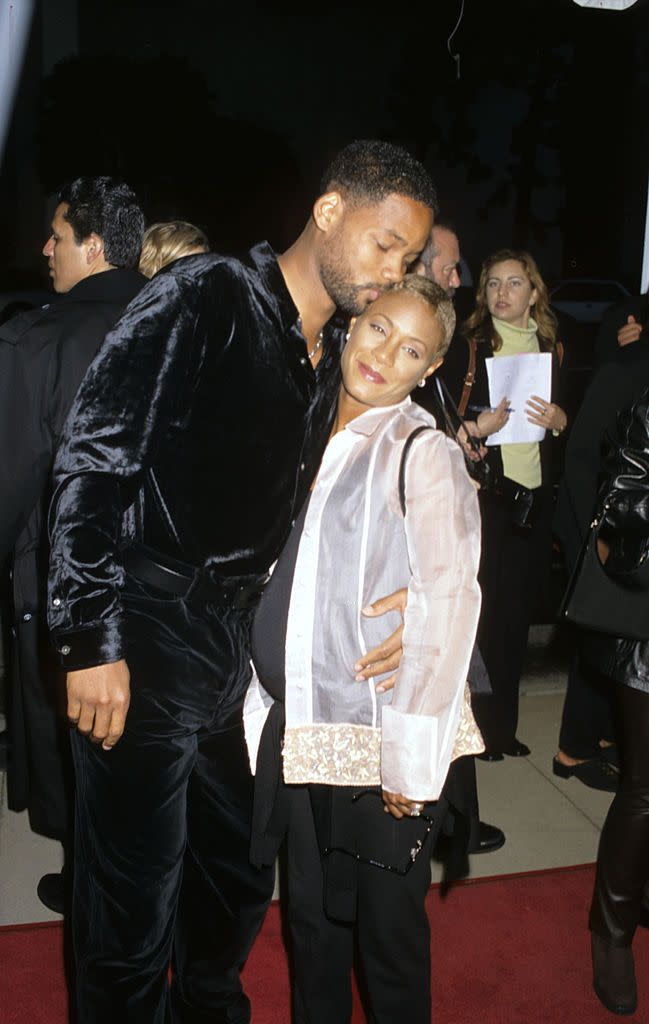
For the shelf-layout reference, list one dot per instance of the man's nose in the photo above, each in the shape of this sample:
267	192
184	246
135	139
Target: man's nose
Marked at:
393	268
454	279
48	248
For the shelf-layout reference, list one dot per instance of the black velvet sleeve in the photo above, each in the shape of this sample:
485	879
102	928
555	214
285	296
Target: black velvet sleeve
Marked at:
119	416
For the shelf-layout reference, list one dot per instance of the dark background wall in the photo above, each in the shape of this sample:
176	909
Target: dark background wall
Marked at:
226	113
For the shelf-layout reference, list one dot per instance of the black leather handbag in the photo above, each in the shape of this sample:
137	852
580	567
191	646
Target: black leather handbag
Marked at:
600	599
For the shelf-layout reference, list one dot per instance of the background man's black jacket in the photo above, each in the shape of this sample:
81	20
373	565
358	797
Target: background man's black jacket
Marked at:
44	354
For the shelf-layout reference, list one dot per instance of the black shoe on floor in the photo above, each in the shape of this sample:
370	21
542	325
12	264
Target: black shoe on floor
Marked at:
614	976
517	749
597	773
51	892
490	838
490	755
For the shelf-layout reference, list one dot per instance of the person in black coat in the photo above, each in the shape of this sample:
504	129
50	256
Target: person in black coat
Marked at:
44	353
623	856
587	749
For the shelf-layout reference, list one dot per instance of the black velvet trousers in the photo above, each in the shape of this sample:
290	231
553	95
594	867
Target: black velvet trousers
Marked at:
623	858
391	929
162	829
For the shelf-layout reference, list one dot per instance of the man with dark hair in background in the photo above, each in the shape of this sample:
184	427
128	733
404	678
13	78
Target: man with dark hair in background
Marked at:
92	252
205	414
440	262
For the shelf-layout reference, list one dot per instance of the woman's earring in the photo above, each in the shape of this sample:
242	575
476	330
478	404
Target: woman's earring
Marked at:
347	335
422	383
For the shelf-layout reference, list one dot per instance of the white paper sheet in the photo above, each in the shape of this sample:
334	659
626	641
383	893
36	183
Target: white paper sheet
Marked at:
518	378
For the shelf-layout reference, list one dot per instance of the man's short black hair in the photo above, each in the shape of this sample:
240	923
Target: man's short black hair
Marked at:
110	209
368	171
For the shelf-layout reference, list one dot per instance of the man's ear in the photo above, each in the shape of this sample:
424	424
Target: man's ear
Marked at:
94	246
328	210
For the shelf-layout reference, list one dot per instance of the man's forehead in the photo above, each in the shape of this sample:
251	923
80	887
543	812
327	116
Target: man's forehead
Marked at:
400	215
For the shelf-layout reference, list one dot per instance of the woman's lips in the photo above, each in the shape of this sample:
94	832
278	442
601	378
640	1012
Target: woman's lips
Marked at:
370	374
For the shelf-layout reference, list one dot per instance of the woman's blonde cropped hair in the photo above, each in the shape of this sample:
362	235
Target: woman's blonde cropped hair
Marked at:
436	298
168	241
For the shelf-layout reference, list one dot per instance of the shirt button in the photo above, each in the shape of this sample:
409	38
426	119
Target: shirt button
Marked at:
303	361
66	649
27	616
302	467
56	601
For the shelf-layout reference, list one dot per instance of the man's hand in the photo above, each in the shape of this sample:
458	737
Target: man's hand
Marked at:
387	656
98	700
629	333
399	806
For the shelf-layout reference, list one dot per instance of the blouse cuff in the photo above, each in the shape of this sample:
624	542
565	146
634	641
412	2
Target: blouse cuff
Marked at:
410	756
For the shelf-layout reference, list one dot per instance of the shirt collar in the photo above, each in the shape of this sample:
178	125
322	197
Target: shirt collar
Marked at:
368	422
263	258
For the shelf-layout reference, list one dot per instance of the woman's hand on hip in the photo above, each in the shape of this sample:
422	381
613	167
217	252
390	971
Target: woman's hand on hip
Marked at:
387	656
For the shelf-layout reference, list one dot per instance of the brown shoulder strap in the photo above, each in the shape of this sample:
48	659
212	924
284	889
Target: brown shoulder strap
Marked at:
469	379
561	351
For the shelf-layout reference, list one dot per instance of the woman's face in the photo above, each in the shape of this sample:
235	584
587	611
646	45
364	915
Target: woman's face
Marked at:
391	347
509	293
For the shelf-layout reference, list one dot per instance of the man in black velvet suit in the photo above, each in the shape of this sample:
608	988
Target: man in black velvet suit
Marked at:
188	453
92	253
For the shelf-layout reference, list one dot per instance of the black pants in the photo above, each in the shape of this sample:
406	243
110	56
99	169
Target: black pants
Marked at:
391	929
162	833
623	858
513	573
587	709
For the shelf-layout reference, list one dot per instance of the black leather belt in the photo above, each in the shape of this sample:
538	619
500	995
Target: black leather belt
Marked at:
201	585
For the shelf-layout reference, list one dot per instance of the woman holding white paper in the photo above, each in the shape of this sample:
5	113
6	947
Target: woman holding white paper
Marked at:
512	318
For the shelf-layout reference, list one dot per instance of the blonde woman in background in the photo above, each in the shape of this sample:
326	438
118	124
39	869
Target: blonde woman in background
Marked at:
168	241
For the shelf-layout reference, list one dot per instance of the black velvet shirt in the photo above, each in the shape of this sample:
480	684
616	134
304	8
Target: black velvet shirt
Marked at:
197	432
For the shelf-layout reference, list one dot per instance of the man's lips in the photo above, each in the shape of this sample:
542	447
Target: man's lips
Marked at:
370	374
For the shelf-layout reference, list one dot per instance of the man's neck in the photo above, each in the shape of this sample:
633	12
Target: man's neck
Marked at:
300	270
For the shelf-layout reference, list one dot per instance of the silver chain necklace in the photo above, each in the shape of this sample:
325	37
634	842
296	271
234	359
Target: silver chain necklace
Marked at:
315	348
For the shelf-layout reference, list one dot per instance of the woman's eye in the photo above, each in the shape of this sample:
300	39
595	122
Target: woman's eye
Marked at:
411	351
377	327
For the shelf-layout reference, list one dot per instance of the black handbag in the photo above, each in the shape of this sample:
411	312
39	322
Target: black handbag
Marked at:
598	599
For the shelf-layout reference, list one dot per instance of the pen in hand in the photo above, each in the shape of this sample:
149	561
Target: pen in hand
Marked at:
489	408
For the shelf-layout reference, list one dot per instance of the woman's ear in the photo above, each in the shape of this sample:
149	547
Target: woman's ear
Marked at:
435	365
351	327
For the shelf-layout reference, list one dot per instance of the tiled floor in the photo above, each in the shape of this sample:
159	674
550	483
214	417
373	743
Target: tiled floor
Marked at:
548	822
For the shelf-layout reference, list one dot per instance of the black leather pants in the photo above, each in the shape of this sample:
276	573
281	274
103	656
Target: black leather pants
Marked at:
162	830
623	859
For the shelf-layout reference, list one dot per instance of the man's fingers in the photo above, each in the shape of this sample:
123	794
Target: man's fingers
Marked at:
116	730
86	719
102	722
377	668
393	602
386	684
74	709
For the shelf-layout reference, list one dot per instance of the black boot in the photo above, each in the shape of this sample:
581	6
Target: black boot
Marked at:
614	976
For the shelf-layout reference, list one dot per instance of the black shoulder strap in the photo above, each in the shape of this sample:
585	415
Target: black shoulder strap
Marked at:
402	464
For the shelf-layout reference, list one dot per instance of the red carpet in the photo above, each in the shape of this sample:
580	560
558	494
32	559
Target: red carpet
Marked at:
508	950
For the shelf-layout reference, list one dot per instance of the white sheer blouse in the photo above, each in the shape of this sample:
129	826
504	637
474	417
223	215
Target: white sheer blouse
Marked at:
356	546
